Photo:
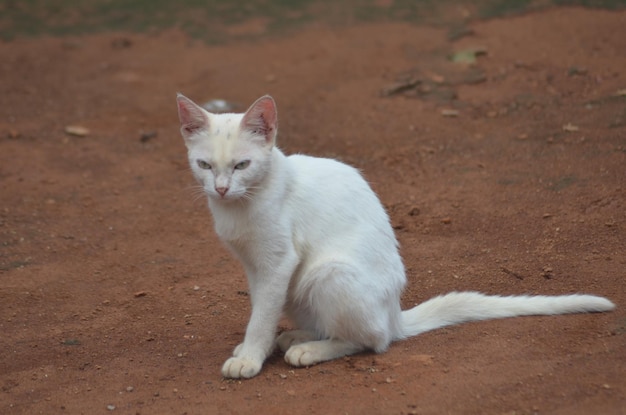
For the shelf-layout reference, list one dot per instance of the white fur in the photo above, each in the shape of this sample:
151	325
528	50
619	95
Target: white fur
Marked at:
317	244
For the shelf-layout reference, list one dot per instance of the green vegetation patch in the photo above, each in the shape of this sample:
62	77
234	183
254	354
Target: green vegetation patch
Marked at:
208	19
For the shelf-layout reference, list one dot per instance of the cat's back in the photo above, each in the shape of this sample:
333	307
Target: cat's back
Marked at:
338	217
329	189
327	176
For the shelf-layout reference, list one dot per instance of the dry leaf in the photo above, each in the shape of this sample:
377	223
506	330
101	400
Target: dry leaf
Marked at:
468	55
400	87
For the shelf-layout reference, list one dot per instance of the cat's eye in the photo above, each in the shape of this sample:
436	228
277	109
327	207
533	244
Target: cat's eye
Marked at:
203	165
242	165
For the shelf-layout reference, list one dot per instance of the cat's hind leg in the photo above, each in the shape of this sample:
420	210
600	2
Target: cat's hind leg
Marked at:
345	310
292	337
313	352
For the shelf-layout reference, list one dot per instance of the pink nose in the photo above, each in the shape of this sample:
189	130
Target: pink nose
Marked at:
221	190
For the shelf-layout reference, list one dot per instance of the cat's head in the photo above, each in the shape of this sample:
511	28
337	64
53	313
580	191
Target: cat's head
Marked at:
229	154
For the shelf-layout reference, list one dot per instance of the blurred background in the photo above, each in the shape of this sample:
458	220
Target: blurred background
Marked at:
212	20
494	133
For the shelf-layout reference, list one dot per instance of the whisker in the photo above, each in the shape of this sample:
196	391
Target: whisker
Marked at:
196	191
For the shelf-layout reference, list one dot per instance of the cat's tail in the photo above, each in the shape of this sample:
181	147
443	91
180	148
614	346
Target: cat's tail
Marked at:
460	307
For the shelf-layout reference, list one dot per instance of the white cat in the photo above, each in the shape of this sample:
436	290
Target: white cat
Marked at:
317	245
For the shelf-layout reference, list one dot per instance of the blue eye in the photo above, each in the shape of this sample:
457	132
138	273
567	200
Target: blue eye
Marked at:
242	165
203	165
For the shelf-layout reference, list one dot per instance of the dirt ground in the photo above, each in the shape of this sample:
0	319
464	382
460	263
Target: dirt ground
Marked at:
506	176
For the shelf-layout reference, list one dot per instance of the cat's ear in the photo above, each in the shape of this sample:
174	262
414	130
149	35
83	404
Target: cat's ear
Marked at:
261	120
193	118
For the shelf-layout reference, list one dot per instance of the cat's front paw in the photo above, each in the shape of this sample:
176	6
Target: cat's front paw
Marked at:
241	367
237	350
305	354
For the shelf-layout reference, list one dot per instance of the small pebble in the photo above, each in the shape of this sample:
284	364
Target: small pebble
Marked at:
76	130
110	407
218	106
576	70
570	128
121	43
147	136
414	212
449	113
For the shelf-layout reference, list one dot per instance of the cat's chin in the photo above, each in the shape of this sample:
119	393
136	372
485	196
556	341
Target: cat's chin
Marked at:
227	198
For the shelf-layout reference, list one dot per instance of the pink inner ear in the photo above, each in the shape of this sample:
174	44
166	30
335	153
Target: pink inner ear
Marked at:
261	118
191	116
268	110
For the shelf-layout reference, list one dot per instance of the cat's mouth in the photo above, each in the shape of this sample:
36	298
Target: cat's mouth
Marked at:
223	198
227	197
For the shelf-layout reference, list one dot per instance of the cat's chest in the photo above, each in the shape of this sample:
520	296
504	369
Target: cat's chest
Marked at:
254	246
231	228
238	228
258	240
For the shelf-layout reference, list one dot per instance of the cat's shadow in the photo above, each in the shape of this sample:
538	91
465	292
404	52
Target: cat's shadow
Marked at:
277	362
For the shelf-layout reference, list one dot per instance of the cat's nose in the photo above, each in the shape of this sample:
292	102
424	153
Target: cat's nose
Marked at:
221	190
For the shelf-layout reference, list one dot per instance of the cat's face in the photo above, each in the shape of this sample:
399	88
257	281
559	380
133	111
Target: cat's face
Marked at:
229	154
